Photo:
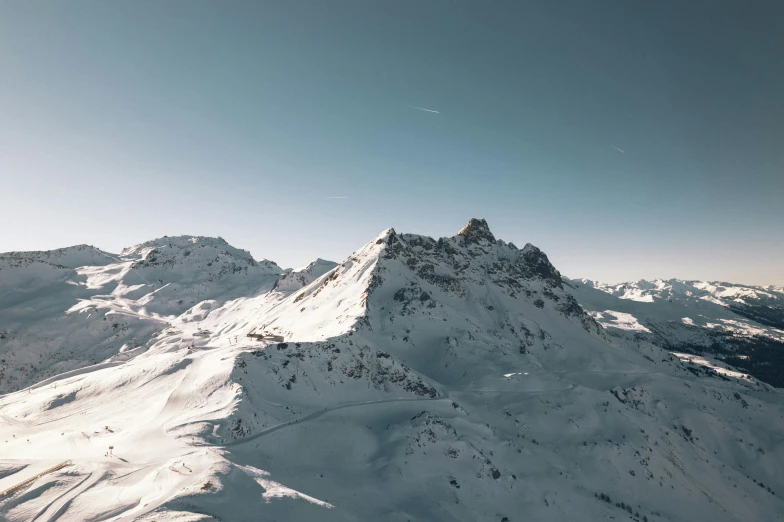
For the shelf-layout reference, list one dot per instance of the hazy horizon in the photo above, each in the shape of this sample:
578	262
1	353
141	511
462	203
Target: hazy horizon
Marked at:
625	141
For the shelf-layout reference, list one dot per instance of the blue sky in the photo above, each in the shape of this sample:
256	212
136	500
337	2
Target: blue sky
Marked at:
125	121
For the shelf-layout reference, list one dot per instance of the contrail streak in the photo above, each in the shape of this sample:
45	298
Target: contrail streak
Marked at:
423	109
619	150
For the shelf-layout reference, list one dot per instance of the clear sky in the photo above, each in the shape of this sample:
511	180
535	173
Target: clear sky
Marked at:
626	139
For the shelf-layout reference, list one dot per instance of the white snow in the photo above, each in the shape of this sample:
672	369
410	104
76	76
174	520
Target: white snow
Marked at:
677	310
620	320
419	380
710	363
677	289
274	490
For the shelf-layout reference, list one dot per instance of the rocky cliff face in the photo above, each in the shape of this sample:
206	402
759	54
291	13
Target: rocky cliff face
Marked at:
474	261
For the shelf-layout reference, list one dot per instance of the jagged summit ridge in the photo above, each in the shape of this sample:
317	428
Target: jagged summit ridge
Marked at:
477	230
426	275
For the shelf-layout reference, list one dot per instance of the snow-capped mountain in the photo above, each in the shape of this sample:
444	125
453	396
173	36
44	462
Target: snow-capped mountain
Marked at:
742	325
419	379
72	307
70	257
296	279
764	305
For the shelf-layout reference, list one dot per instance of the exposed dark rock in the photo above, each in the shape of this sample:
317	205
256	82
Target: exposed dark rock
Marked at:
476	231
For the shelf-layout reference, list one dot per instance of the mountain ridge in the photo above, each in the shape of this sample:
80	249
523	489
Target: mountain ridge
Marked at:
458	378
740	325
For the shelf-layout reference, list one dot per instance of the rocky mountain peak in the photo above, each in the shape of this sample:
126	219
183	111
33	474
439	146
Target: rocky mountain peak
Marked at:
388	236
476	230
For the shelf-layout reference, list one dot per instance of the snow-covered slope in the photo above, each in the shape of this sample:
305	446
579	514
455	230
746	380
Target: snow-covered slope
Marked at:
742	325
296	279
419	379
184	271
68	308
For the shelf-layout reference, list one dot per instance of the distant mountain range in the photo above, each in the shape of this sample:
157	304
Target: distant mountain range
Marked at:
741	325
457	379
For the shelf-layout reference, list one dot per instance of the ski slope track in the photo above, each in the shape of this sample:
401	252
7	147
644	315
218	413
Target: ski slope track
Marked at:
456	379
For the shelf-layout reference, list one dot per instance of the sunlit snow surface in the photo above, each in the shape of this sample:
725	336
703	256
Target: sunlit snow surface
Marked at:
420	380
620	320
710	363
274	490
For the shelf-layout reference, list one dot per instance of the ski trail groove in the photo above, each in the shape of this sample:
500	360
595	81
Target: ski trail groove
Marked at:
59	506
319	413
